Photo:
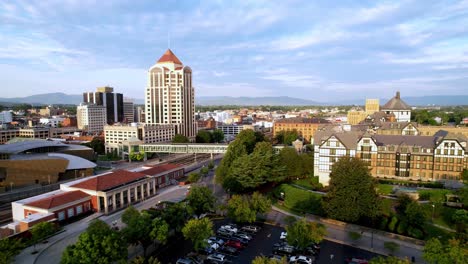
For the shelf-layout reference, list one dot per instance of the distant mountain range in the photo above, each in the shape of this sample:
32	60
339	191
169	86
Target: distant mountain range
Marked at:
61	98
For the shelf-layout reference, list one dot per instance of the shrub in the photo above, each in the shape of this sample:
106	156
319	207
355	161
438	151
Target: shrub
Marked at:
424	196
402	227
415	232
392	247
194	177
354	235
393	223
383	223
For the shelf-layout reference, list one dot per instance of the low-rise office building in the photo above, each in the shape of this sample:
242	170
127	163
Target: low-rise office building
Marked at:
306	127
115	135
91	118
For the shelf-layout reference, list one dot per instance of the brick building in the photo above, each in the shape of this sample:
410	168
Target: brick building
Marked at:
306	127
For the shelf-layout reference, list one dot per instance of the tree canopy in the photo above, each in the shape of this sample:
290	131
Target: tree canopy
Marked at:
352	195
286	137
197	231
201	200
296	165
179	138
244	208
217	136
302	233
389	260
203	136
41	231
453	252
9	248
267	260
98	244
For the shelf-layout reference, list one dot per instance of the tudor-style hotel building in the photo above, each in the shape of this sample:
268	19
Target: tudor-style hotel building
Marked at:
169	97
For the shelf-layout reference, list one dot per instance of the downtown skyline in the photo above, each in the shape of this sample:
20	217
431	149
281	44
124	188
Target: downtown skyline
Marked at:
315	50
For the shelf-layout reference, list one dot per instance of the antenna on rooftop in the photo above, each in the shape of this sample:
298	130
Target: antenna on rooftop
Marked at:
168	39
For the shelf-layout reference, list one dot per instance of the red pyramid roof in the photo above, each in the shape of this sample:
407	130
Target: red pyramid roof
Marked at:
169	56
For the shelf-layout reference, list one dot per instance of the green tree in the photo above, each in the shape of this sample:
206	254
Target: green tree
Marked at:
9	248
460	219
391	246
302	233
179	138
235	150
197	231
194	177
248	139
286	136
138	228
97	144
389	260
352	195
266	260
175	216
211	165
244	208
200	200
137	156
41	231
98	244
142	260
415	215
217	136
464	176
159	230
454	252
203	136
251	171
292	163
204	171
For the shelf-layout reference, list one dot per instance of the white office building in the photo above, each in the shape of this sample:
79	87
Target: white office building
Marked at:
6	117
91	118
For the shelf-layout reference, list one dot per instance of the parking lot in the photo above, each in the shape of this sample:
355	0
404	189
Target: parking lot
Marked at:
262	244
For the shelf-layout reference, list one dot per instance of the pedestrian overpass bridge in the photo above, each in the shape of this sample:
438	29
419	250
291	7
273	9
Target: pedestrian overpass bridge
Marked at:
193	148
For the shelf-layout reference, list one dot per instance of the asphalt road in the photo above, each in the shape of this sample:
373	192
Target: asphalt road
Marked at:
262	244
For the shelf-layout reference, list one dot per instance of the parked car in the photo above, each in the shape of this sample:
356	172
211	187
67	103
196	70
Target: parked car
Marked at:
243	236
217	257
212	240
356	261
243	241
284	250
234	244
276	257
283	235
224	233
301	260
189	260
230	228
229	250
250	229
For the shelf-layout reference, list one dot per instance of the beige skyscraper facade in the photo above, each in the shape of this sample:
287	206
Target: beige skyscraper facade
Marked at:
170	97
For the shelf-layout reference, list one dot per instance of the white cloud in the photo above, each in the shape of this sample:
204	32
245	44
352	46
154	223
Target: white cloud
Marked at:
219	73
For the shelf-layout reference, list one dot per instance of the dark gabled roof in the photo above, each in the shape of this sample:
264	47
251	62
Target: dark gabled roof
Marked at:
109	181
58	200
396	104
421	141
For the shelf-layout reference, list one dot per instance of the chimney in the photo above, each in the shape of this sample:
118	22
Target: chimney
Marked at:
397	95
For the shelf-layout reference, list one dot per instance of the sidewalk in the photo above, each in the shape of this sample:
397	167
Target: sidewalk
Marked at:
371	240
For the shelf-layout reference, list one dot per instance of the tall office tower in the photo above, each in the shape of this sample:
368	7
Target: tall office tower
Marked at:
372	106
129	114
139	114
112	101
91	117
170	95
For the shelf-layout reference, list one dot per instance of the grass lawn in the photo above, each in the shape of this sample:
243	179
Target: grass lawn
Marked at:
442	214
434	195
300	200
384	189
306	183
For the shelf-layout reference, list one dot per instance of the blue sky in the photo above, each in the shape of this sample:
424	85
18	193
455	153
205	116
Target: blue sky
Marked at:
318	50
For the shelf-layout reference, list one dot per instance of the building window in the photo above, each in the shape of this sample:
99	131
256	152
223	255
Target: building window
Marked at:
70	212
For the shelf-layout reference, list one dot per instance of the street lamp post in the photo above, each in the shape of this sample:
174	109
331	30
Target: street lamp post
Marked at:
372	240
433	209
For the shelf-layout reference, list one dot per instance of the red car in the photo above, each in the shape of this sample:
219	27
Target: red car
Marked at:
234	244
